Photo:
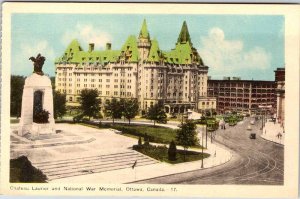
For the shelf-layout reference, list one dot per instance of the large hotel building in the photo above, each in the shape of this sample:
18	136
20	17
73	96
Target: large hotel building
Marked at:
141	70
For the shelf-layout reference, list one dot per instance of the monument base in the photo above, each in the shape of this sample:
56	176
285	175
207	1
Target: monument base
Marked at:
39	129
35	84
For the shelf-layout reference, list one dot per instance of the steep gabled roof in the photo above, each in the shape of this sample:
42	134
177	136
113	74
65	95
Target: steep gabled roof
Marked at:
130	48
184	52
75	54
155	53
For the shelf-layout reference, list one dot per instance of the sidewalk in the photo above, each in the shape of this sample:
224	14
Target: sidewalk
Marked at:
273	132
218	156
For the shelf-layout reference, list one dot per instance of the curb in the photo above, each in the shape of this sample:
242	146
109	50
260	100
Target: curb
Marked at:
53	144
271	141
182	172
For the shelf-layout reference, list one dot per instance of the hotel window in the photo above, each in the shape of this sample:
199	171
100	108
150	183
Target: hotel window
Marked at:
107	86
107	92
107	80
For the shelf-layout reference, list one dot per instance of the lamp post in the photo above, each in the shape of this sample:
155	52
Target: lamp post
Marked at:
205	133
202	150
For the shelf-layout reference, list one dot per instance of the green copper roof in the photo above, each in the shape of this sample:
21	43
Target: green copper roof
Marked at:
75	54
129	50
183	53
154	54
144	31
184	35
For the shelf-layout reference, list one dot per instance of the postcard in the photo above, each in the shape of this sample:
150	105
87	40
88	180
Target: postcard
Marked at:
150	99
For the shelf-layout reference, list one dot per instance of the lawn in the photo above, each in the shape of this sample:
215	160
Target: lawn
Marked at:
154	133
161	153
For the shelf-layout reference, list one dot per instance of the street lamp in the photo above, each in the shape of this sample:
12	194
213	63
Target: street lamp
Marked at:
205	133
202	150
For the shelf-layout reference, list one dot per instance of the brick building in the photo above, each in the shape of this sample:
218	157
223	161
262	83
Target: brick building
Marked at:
244	96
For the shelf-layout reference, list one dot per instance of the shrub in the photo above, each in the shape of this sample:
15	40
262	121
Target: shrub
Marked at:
140	141
137	147
172	151
78	118
21	170
40	116
146	140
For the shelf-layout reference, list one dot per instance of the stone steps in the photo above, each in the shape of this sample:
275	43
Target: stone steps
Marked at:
92	164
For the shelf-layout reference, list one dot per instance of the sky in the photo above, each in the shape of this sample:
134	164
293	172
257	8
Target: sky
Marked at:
246	46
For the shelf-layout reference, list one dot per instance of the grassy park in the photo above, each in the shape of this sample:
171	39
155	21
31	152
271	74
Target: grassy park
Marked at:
161	153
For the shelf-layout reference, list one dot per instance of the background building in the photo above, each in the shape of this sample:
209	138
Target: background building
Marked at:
244	96
280	94
140	69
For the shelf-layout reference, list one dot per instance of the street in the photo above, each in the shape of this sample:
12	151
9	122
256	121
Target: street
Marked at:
255	161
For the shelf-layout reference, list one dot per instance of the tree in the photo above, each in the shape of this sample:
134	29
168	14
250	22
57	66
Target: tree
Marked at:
89	103
59	104
172	151
17	85
187	135
130	109
113	109
157	114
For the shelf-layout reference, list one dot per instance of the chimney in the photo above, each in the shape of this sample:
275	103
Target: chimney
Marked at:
91	47
108	46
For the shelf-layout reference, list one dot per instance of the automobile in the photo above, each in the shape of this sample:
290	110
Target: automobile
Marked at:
252	136
249	128
252	122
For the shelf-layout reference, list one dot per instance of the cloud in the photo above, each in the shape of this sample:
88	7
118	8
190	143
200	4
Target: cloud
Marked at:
86	33
228	57
26	50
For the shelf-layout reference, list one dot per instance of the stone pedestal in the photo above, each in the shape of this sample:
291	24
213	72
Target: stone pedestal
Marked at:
42	84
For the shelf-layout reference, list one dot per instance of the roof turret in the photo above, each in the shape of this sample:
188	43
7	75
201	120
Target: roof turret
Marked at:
144	31
184	35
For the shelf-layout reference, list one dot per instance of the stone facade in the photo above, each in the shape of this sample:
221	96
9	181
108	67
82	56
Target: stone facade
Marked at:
139	70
